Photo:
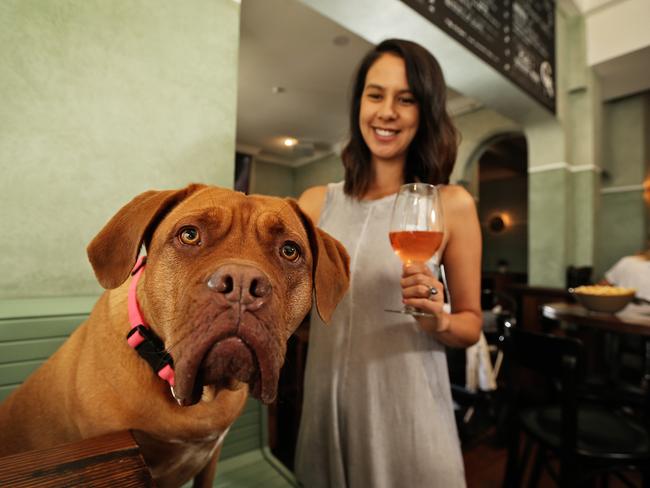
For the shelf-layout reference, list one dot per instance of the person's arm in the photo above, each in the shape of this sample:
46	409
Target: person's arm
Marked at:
311	202
462	261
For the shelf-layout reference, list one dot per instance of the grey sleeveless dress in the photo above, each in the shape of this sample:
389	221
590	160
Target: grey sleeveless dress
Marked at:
377	408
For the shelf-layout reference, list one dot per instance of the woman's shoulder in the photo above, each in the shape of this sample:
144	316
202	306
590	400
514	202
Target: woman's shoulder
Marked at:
312	200
457	199
461	217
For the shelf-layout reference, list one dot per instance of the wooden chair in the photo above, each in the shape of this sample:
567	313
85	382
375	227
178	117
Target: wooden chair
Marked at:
587	440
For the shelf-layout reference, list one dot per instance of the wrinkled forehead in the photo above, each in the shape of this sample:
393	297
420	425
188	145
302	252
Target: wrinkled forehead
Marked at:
268	216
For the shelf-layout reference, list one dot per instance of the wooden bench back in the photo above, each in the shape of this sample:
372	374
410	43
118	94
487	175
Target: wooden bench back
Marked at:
32	329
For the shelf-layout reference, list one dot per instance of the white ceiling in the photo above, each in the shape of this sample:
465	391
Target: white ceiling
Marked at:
284	43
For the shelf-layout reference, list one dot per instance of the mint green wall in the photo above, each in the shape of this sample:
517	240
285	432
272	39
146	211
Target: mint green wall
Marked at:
276	179
627	140
585	204
271	179
621	231
548	201
323	171
102	100
623	218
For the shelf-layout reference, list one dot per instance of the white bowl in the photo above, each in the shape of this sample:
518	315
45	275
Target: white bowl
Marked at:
604	299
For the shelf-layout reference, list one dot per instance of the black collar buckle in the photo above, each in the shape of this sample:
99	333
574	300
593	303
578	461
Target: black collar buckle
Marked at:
151	348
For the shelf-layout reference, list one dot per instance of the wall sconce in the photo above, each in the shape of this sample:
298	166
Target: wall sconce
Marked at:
499	223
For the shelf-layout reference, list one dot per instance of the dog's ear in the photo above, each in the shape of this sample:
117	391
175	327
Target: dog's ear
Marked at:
113	252
331	273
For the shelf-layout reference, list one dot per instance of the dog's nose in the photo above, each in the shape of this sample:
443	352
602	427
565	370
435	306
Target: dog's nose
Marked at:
240	283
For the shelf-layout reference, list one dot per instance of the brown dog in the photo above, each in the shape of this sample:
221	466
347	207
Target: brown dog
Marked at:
228	278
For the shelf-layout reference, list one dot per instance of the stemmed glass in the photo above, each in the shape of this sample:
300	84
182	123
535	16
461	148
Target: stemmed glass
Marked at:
416	228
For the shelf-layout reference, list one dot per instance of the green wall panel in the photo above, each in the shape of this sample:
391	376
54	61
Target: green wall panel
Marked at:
584	199
272	179
547	203
321	172
102	100
621	231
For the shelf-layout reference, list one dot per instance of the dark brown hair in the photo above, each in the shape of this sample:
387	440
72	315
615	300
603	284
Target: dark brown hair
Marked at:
432	153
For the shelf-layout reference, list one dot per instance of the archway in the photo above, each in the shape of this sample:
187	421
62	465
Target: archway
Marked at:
500	184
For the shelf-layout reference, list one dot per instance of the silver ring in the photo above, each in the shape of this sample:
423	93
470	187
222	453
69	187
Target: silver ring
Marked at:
432	292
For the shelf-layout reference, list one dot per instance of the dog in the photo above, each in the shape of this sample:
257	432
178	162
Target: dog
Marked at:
227	279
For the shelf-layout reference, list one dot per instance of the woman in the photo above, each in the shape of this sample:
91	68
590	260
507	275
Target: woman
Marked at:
377	409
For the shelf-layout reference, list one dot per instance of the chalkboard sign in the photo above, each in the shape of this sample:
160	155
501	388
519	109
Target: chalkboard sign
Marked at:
517	37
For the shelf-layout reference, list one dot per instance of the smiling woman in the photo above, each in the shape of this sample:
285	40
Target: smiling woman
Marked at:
377	407
389	115
398	89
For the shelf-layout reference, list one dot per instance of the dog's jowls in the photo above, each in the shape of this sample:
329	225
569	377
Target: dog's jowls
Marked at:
228	279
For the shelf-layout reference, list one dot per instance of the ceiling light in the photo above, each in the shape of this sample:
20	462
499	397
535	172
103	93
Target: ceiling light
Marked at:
278	89
290	141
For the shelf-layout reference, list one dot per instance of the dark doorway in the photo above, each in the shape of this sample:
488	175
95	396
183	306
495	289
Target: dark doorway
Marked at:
243	163
503	212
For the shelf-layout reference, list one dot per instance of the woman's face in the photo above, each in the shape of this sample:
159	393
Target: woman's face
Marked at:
389	114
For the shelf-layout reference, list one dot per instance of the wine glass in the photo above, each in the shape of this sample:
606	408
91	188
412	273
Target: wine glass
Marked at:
416	227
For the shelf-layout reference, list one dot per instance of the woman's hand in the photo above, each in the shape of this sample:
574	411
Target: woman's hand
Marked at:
420	289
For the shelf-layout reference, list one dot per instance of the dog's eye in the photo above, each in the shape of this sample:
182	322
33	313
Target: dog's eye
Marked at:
290	251
190	236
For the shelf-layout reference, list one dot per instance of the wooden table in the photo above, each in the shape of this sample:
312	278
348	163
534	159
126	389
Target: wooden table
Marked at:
633	319
107	461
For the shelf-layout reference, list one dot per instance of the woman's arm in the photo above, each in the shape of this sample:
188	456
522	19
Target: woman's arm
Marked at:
462	260
311	201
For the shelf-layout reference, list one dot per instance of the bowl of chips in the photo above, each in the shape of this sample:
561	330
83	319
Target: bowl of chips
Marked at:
603	298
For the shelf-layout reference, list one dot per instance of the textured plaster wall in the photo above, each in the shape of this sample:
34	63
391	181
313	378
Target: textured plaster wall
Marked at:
623	223
626	140
621	231
102	100
321	172
584	201
548	201
271	179
276	179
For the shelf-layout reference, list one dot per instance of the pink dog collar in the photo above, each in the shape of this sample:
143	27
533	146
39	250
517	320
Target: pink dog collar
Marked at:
141	338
